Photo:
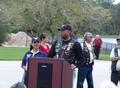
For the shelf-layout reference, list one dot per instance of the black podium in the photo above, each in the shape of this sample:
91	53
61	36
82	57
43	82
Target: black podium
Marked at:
49	73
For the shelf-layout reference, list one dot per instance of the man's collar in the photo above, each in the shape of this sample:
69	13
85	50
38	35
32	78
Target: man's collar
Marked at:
67	39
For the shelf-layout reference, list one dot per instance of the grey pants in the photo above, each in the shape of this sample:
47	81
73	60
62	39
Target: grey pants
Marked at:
75	74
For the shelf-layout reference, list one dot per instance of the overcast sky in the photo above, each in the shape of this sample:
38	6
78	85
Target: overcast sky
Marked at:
116	1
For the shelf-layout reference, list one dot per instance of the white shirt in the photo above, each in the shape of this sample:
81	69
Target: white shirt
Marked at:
34	52
112	54
89	46
29	55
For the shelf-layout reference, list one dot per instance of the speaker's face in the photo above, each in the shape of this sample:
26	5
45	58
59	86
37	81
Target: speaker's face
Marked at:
65	34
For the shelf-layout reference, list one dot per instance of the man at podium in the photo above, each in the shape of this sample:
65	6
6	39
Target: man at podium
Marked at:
67	48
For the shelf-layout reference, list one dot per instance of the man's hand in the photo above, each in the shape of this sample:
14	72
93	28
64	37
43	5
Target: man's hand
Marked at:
25	68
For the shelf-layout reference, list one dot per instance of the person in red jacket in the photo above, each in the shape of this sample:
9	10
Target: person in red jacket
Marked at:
97	45
44	45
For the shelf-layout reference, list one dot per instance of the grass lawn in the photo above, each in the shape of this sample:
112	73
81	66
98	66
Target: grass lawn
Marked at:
17	53
12	53
104	56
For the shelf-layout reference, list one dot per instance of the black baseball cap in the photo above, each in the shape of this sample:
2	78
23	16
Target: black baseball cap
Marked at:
118	38
66	27
35	39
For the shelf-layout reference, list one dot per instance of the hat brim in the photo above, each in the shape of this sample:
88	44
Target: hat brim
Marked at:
117	39
63	30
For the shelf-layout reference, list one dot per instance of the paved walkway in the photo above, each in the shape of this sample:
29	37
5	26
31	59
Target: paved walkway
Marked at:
10	73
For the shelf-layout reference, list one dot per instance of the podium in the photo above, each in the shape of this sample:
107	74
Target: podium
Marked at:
49	73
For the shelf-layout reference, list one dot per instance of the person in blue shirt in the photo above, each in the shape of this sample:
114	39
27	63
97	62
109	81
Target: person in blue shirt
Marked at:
33	52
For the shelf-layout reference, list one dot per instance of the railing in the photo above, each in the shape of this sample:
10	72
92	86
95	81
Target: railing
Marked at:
107	47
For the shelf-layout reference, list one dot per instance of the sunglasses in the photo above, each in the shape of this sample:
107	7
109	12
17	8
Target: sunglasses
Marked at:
35	41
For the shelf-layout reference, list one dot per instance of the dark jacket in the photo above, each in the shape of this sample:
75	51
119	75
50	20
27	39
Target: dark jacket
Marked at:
29	54
74	56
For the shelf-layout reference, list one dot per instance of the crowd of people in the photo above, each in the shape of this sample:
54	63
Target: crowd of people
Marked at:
79	55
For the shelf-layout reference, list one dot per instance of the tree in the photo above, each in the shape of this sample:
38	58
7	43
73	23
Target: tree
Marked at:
115	22
37	16
3	29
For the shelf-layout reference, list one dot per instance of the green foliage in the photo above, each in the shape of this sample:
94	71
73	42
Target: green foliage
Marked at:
3	29
115	22
36	16
2	36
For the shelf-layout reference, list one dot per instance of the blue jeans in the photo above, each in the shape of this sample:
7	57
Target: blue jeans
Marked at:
85	72
26	78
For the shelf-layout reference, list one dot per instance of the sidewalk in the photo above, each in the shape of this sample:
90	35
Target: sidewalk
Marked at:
11	72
